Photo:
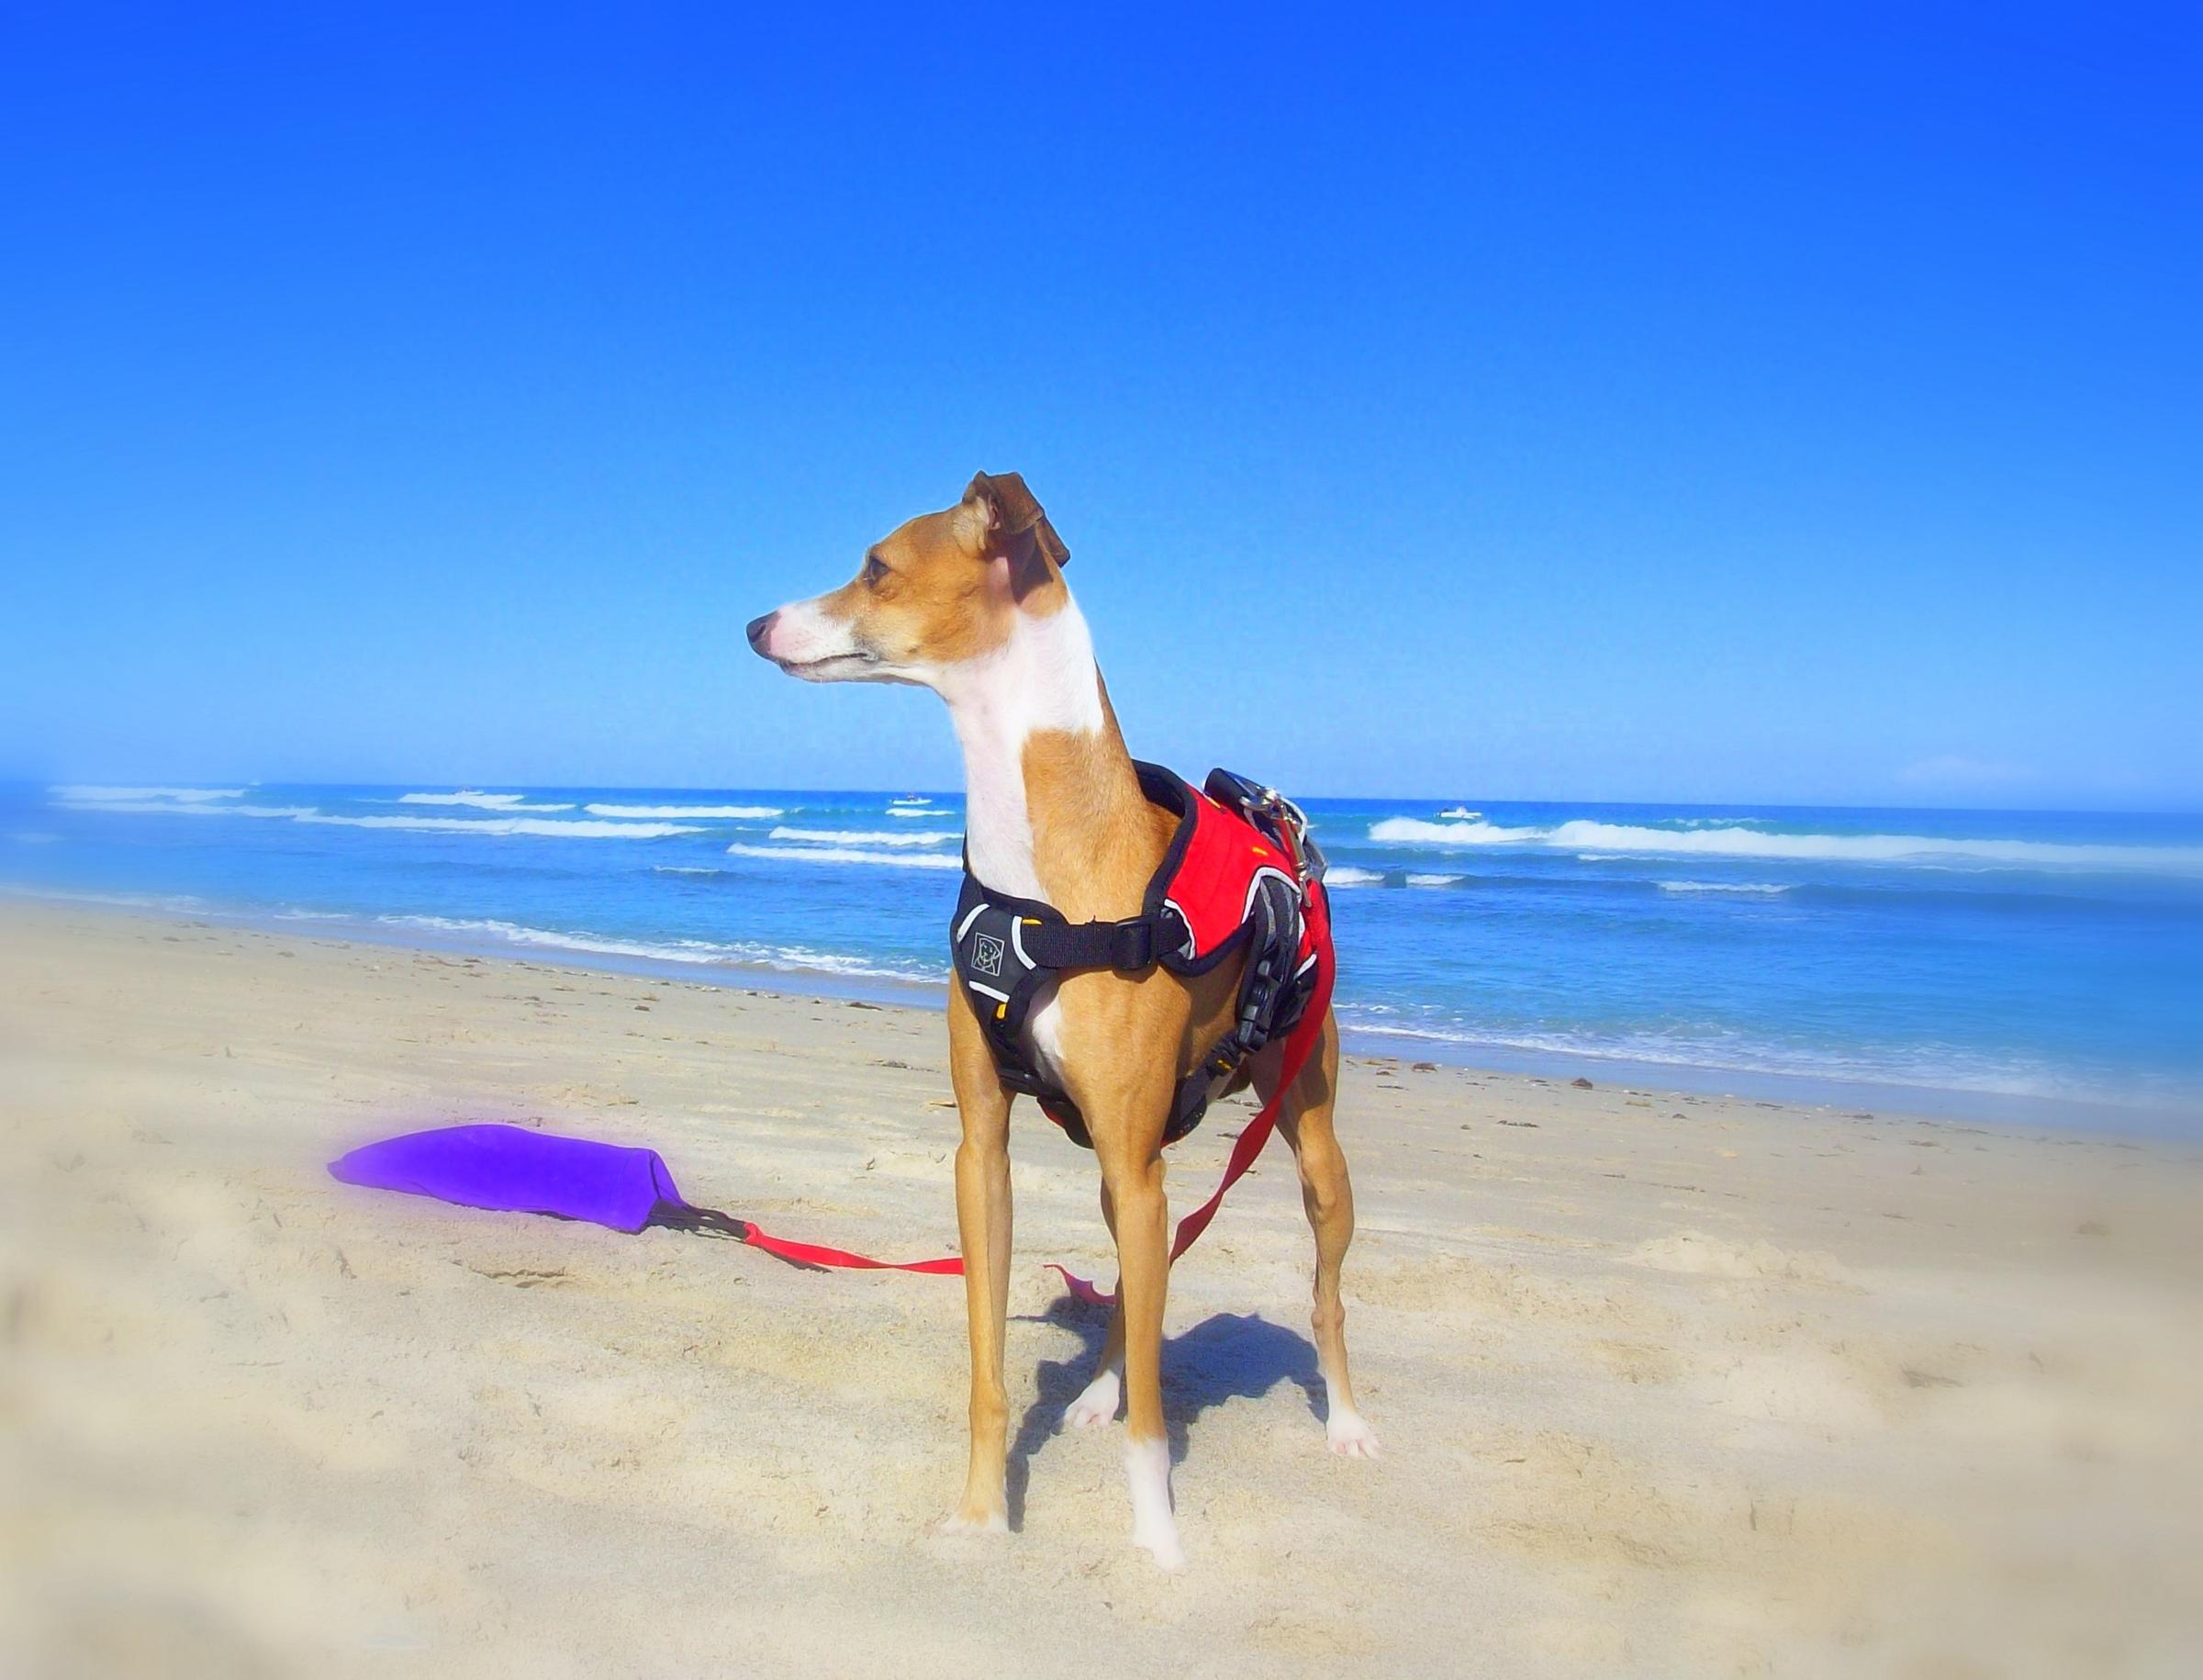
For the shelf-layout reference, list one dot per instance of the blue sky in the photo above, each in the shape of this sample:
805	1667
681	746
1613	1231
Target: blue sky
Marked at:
1741	403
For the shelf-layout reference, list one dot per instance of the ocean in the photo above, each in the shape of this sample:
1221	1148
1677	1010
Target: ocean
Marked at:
2039	968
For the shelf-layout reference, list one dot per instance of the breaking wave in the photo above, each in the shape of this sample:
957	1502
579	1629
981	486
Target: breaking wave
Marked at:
728	814
100	796
546	828
847	854
482	801
163	807
1722	885
843	836
168	904
790	958
1941	1068
1350	875
1418	831
543	828
1735	842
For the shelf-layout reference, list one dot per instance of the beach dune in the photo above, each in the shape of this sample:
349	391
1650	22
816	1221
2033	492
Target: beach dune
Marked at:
1667	1385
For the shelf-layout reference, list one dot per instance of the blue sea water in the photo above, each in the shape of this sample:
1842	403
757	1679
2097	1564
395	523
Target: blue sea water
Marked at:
2008	965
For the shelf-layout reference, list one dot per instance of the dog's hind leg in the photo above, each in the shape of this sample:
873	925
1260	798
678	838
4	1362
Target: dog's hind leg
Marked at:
1327	1193
1097	1401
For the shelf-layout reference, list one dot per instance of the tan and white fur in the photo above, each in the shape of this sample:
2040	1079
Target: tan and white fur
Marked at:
971	604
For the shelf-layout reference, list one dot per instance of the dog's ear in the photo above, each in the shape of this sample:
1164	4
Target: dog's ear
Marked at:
1018	528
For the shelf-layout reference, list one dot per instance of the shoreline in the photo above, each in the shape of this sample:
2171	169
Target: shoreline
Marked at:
2156	1122
1679	1385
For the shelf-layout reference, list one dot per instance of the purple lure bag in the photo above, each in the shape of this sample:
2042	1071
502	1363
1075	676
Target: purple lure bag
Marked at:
518	1171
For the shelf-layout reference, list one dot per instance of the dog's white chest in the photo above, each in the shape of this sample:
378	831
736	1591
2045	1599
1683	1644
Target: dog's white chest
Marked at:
1043	1032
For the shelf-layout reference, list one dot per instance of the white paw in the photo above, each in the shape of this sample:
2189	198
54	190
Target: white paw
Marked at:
994	1522
1096	1403
1154	1529
1162	1547
1351	1437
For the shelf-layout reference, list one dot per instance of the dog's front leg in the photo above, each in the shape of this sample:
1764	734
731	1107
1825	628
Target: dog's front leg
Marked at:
1132	1166
983	1224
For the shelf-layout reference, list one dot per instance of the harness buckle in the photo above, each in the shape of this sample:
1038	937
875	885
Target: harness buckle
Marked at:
1132	943
1308	856
1269	809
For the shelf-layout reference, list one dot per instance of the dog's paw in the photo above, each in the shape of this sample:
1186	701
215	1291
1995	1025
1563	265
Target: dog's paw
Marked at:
1350	1436
1153	1527
1163	1548
1096	1403
973	1522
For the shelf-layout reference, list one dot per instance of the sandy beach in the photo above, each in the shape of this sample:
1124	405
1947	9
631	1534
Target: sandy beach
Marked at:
1667	1385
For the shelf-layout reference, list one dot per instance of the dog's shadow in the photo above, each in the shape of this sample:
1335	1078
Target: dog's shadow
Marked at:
1227	1356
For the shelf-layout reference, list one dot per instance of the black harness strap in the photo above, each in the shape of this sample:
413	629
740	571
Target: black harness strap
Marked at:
1129	944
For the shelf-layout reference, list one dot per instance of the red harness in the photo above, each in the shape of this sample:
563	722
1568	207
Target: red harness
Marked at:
1234	881
1237	877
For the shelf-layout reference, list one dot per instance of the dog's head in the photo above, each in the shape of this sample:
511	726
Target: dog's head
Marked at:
934	592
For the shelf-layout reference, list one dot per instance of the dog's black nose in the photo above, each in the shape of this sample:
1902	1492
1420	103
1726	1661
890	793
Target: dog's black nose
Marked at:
759	628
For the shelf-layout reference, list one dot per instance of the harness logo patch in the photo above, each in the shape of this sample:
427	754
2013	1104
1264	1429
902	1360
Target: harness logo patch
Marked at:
986	955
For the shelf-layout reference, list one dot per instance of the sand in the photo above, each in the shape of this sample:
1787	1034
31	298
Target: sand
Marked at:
1666	1385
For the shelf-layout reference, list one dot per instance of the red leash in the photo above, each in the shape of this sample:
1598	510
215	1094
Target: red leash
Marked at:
1299	1043
813	1254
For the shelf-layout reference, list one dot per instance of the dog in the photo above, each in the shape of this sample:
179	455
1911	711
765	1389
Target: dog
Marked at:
971	602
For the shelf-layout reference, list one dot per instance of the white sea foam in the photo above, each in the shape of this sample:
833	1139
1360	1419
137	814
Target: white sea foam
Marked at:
1417	831
911	798
1946	1069
77	795
1722	886
547	828
702	952
162	808
481	801
847	854
544	828
168	904
843	837
1732	842
727	813
911	811
1348	874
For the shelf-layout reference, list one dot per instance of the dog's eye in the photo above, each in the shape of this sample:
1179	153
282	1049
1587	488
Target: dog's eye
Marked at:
875	572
